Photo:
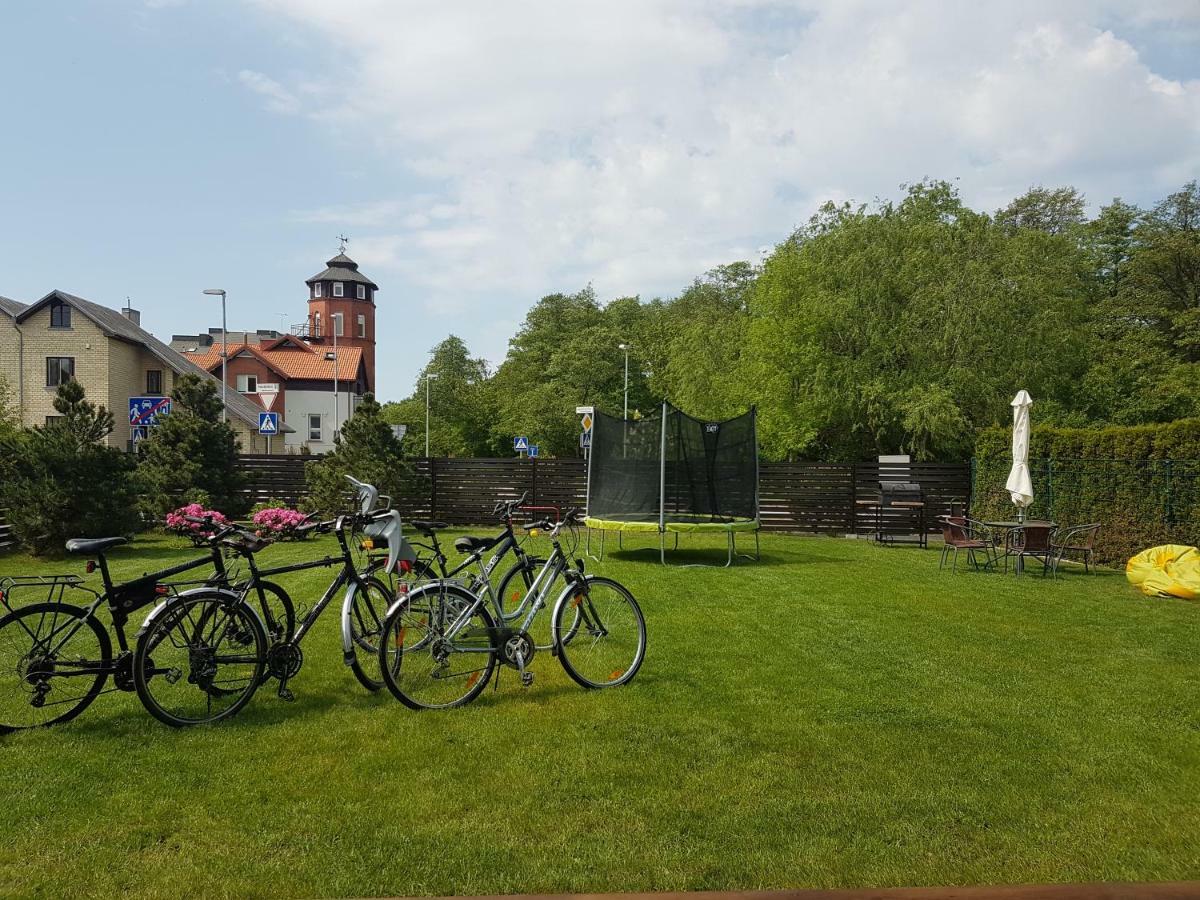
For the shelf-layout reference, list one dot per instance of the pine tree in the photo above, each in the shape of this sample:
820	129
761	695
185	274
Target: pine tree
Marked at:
367	449
191	455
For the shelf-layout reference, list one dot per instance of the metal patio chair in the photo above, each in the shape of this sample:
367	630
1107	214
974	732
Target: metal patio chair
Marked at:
961	533
1079	539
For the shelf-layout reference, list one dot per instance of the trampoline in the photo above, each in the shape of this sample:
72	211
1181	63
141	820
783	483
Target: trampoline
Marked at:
673	474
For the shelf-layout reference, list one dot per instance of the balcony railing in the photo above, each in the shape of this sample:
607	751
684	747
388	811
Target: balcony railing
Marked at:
307	332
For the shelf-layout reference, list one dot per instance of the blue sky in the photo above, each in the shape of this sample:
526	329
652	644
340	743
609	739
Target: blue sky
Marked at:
480	155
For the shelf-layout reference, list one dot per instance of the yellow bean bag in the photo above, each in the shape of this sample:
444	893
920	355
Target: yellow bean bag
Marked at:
1172	570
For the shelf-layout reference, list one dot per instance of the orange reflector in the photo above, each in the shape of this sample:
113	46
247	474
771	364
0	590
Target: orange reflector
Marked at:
400	637
578	599
368	544
516	595
474	677
617	673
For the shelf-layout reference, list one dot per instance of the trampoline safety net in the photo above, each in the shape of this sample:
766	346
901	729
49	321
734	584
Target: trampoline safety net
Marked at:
691	471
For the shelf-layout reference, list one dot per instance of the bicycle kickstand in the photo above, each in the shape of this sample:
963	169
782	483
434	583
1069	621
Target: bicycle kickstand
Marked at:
284	692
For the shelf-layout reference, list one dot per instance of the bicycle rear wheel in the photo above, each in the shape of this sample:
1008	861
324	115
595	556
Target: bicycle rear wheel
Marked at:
275	607
425	669
600	633
201	660
54	660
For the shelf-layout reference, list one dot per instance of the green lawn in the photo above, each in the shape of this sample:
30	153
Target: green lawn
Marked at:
839	714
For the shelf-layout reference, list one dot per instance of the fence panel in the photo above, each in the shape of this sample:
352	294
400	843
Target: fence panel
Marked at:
802	496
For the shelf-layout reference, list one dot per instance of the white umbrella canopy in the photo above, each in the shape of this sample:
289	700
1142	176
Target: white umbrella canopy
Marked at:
1019	484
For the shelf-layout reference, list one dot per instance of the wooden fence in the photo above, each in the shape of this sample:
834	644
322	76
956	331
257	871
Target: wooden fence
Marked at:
814	497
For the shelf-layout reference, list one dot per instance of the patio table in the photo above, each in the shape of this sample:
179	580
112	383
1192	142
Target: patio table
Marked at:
1009	528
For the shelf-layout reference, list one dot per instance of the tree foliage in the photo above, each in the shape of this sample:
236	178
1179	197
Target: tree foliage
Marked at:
191	455
899	326
365	448
61	480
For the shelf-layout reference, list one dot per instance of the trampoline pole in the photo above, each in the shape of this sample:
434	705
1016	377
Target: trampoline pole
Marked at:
662	487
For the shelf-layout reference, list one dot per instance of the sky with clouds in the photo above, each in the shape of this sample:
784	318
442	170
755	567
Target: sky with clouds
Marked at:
482	154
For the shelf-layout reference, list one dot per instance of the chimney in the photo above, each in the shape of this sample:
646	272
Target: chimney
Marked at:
132	315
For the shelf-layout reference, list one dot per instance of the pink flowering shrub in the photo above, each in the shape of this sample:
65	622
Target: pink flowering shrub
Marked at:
280	523
194	530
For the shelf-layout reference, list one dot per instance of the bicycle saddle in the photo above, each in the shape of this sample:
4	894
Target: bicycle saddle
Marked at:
93	545
470	544
427	528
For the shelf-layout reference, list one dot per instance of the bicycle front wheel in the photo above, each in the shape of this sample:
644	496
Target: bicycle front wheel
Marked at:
201	660
423	663
54	659
600	633
367	610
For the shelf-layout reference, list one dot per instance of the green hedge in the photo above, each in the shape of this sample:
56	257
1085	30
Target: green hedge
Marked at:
1141	482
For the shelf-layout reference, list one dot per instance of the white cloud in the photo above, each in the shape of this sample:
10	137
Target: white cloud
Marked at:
633	143
278	98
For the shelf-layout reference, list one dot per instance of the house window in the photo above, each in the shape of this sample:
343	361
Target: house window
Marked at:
317	325
154	381
362	292
337	324
338	290
317	289
314	427
247	384
60	314
59	370
362	326
51	420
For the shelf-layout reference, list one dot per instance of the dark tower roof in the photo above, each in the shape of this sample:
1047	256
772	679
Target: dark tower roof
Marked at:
343	268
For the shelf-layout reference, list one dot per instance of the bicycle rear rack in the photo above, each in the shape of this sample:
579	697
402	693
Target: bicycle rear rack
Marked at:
55	586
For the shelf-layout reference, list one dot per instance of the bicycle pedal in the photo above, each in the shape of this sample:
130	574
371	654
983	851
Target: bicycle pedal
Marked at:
286	695
526	679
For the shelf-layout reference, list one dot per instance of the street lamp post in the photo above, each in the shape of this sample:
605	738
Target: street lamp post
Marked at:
213	292
625	347
428	378
335	321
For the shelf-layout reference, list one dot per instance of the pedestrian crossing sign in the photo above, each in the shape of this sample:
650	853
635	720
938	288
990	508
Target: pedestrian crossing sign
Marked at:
268	423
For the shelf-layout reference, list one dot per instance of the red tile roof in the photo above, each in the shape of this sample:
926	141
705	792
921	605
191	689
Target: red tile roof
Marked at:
291	363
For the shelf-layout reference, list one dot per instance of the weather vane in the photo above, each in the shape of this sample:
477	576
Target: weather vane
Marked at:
342	241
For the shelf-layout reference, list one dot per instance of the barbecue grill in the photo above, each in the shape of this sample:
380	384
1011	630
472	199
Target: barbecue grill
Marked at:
895	504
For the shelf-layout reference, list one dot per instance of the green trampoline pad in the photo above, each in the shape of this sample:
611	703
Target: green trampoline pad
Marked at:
681	527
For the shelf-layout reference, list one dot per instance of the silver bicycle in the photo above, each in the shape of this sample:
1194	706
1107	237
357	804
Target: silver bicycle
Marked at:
441	643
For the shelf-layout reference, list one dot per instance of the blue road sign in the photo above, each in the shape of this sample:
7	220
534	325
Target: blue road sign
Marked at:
533	451
585	440
268	423
520	443
146	410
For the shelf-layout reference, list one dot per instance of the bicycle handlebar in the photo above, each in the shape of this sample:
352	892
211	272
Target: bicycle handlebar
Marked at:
505	508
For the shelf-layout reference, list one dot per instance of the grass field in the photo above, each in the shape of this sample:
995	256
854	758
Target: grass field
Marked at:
839	714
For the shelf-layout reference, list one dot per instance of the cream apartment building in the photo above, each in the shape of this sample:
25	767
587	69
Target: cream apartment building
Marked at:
108	352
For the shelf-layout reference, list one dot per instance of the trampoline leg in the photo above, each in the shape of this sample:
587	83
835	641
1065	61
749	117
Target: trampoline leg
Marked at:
662	547
732	546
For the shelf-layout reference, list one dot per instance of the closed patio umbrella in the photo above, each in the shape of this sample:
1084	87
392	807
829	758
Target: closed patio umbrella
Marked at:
1019	484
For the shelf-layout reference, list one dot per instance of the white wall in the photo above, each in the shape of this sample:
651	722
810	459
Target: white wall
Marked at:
299	405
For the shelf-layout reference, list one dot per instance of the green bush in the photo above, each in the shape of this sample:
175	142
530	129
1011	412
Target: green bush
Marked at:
191	455
366	448
62	481
1142	482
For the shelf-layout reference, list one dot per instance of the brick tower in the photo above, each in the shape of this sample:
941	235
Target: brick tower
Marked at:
343	298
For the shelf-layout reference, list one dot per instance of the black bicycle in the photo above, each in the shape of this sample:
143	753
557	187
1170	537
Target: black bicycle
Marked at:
174	652
56	657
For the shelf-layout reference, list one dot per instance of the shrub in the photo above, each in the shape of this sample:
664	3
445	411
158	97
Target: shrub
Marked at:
1141	482
280	522
191	455
178	522
62	481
